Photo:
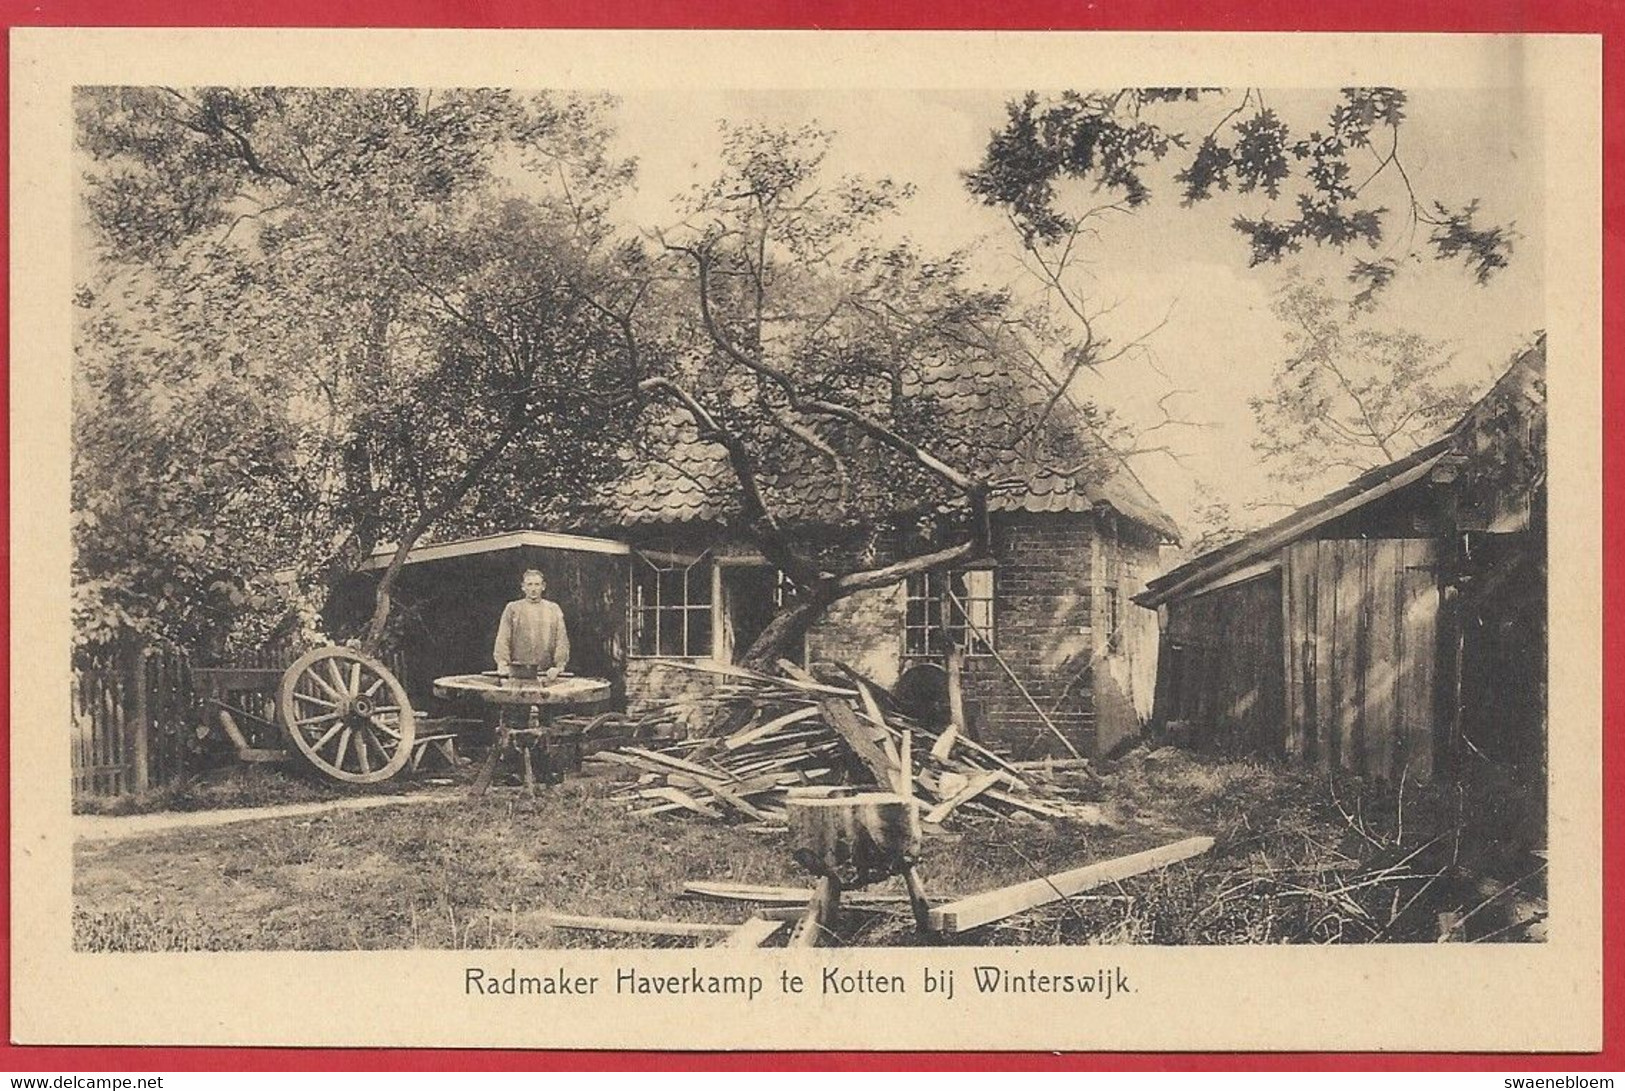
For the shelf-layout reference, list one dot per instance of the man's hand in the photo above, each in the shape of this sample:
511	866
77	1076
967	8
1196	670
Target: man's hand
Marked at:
553	673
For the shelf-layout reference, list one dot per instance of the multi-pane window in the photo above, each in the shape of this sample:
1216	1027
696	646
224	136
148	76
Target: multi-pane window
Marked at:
1114	618
671	607
949	608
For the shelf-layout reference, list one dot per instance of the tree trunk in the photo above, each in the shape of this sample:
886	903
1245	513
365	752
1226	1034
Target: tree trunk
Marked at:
427	519
784	633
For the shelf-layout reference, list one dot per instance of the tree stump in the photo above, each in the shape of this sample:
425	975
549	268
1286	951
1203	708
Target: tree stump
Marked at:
850	839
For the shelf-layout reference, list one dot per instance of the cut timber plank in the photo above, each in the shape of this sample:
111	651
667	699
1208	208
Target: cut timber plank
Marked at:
995	905
632	927
753	933
969	792
684	800
678	763
785	895
1031	805
839	715
752	734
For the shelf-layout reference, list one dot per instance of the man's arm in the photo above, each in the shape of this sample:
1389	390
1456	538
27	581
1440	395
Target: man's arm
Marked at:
503	651
561	645
564	643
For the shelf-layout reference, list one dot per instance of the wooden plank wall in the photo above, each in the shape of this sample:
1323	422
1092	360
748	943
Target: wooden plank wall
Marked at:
1229	678
1360	654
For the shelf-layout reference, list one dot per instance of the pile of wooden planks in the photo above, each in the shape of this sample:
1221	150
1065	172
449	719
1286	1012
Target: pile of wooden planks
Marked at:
795	730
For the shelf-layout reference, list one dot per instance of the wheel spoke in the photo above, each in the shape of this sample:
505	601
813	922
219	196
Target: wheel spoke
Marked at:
316	747
344	742
361	751
385	728
338	679
313	699
385	753
355	679
322	719
315	676
377	684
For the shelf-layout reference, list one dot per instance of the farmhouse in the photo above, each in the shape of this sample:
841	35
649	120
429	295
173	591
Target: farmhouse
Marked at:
1046	625
1395	626
660	577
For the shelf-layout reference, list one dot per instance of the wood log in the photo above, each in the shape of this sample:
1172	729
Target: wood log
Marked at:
840	716
860	838
996	905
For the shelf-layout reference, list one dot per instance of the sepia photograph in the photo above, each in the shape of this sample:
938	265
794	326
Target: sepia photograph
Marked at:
587	540
542	519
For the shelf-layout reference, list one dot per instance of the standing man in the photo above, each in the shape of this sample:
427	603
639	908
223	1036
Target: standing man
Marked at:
531	638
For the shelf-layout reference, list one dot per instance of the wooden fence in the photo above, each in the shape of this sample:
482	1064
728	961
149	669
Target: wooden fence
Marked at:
133	711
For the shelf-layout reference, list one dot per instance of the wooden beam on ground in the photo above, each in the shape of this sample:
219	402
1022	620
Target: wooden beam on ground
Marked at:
786	895
633	927
996	905
753	933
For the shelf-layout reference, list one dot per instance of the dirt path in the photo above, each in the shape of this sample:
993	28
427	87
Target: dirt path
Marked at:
89	827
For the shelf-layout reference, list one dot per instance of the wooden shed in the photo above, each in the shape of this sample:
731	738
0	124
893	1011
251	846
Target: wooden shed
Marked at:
449	597
1388	627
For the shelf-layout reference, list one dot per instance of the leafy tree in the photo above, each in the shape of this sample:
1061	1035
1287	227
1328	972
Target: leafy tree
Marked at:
392	275
775	328
1109	141
1350	396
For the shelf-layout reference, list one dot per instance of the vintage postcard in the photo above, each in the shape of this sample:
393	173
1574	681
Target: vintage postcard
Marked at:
797	540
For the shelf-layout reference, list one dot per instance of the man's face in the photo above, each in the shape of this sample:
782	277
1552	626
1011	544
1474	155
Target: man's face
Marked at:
533	586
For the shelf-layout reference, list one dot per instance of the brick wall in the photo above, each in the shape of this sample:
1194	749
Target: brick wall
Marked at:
1125	673
1048	626
864	631
1043	628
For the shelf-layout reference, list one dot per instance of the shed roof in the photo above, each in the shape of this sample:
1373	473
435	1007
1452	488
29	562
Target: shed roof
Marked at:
490	543
1520	386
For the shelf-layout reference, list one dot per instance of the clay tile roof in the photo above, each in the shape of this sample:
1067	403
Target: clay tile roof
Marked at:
690	481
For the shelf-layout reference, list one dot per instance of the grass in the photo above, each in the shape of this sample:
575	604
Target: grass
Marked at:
235	786
1298	859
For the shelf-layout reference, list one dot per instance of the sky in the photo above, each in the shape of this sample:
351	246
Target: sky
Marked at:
1187	266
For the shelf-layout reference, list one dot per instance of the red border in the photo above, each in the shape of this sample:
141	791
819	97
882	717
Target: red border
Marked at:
1605	17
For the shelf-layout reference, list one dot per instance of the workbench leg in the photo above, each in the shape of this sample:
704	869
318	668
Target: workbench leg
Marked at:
489	769
916	898
530	775
822	909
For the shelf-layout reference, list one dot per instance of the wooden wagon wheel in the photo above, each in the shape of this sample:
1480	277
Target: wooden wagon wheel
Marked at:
347	715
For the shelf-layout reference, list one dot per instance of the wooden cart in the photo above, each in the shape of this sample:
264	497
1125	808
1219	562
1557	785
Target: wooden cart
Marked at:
340	711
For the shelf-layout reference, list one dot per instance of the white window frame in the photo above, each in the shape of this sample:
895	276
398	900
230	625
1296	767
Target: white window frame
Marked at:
638	610
980	635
